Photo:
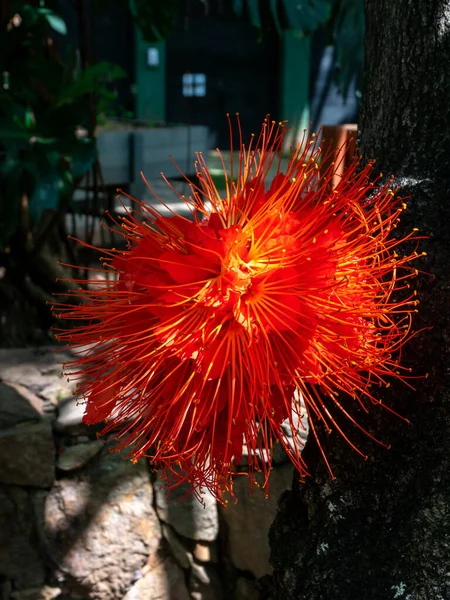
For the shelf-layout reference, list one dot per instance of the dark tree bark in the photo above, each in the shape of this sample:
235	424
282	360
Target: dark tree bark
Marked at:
381	530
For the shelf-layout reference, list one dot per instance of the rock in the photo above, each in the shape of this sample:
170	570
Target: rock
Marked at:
18	364
179	552
57	390
17	404
163	581
27	455
302	430
260	456
200	575
38	593
204	583
301	425
76	456
299	420
246	589
249	520
20	555
186	514
80	439
279	456
99	525
70	415
36	367
205	552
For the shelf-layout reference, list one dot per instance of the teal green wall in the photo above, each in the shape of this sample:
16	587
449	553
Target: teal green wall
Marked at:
294	82
150	84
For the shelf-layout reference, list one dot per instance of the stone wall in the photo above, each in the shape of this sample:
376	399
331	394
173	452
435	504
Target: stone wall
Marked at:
77	521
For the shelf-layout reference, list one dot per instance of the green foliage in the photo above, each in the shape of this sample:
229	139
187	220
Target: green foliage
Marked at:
88	82
343	18
301	16
55	22
45	117
347	30
253	10
33	16
155	18
306	16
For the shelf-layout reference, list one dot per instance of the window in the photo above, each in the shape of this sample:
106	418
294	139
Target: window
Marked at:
194	84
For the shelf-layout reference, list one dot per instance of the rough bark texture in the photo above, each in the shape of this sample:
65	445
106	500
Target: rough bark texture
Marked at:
381	531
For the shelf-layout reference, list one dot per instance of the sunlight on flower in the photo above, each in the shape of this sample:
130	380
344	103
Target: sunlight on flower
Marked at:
215	328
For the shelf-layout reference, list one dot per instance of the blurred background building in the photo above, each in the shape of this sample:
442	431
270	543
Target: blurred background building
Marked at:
215	61
94	94
174	94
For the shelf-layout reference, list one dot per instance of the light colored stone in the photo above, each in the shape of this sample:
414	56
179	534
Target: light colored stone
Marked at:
100	527
260	456
205	552
20	560
163	581
45	592
179	552
76	456
186	514
27	455
299	419
298	422
57	390
17	404
249	520
200	574
36	375
70	415
34	367
204	583
301	426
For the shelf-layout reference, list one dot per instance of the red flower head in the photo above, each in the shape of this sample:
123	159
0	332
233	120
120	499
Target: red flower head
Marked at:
211	325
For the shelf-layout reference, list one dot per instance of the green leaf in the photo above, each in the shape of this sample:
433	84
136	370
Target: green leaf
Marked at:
57	24
253	9
274	11
304	16
301	16
89	80
348	36
238	7
44	140
24	136
29	119
14	134
155	18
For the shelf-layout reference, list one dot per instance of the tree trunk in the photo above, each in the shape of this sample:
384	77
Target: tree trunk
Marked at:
381	530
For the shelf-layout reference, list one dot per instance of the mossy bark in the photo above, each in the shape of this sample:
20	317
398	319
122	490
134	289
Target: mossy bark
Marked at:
381	530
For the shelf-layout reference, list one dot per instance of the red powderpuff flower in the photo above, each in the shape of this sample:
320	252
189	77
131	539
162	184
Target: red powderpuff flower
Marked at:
213	329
